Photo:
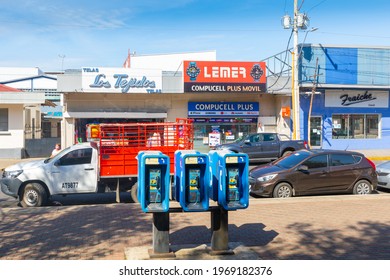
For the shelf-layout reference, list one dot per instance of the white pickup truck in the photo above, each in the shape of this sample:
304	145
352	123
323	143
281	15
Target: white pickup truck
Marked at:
109	162
73	170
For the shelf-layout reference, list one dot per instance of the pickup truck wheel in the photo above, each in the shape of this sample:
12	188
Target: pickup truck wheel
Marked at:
134	192
283	190
362	187
34	195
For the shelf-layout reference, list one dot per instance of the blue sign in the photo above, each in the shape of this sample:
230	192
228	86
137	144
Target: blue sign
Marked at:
223	109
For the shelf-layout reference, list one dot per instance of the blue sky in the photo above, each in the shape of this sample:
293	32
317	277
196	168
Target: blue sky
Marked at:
37	33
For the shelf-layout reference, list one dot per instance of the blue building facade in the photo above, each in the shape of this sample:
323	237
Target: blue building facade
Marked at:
344	97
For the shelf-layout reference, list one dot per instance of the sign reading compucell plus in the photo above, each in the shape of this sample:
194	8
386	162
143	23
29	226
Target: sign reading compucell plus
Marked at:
121	80
357	99
224	76
223	109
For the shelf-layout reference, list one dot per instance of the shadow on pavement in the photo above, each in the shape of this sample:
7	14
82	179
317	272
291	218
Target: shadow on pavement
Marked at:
369	242
248	234
86	199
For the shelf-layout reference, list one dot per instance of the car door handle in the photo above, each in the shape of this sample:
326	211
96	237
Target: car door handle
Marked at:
88	169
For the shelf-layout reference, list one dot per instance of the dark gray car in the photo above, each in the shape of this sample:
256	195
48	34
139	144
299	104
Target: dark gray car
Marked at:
314	172
263	147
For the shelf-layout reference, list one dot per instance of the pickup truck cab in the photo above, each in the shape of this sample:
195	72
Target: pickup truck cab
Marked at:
73	170
264	147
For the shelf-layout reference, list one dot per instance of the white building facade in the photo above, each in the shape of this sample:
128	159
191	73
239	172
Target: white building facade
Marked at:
228	98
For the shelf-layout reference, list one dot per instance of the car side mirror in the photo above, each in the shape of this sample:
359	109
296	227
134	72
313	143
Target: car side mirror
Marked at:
247	141
57	163
303	168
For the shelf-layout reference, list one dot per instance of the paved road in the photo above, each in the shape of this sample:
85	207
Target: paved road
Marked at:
320	227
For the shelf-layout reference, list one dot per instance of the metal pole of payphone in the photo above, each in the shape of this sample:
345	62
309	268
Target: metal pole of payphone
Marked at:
220	236
161	236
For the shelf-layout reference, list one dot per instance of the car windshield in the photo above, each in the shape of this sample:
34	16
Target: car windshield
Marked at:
292	160
240	138
60	154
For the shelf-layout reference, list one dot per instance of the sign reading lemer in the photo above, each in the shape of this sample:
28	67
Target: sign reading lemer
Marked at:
224	76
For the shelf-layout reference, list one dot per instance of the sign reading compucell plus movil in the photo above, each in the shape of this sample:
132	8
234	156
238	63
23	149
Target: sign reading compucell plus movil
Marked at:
121	80
223	109
224	76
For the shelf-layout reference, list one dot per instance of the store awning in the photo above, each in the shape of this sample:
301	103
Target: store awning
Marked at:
115	115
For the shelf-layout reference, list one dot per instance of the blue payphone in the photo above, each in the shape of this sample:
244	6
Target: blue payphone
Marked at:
192	180
153	181
230	183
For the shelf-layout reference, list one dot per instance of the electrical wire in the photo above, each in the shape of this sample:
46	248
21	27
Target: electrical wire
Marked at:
284	62
315	6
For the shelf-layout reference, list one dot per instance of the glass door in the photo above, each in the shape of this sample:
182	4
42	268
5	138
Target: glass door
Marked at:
315	133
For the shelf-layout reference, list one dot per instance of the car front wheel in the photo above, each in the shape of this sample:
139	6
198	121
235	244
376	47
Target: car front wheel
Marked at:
34	195
362	187
283	190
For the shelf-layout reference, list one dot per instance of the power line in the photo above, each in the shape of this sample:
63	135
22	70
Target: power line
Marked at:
315	6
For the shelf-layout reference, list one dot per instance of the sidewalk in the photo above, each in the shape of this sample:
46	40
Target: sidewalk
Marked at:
343	227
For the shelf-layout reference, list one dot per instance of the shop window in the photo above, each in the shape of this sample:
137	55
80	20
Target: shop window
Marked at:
372	124
3	119
355	126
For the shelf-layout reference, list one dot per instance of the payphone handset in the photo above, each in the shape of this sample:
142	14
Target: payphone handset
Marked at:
193	189
155	186
232	184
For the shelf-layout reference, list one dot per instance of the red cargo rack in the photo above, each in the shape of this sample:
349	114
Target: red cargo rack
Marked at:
119	143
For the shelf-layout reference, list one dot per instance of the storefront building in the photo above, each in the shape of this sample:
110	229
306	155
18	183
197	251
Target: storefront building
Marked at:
13	119
350	105
225	98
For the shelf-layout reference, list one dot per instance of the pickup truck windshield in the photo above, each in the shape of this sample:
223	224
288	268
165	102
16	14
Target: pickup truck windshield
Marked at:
60	154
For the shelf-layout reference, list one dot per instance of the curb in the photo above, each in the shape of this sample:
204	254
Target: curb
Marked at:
194	252
386	158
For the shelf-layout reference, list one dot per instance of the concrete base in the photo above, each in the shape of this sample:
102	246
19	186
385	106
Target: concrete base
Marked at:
158	256
194	252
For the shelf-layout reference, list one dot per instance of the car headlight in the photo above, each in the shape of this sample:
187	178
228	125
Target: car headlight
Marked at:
266	178
12	174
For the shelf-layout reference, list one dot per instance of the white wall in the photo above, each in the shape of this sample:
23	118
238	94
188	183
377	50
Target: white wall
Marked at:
12	73
14	138
169	62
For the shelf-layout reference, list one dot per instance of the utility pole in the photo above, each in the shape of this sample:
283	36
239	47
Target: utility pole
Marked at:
295	87
300	21
313	91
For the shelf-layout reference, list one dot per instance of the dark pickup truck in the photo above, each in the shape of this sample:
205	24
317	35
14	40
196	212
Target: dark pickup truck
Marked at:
263	147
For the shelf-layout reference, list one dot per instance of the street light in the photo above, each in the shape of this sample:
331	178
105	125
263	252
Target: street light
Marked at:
62	62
